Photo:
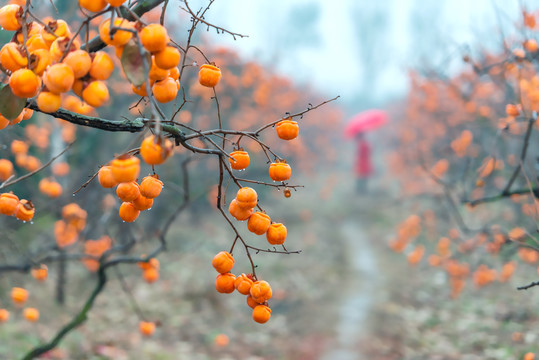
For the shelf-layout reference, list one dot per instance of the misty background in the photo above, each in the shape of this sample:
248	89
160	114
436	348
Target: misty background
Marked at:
361	50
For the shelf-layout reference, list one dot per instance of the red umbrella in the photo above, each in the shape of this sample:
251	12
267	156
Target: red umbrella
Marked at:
365	121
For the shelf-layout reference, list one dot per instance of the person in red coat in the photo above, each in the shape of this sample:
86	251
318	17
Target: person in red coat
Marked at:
363	168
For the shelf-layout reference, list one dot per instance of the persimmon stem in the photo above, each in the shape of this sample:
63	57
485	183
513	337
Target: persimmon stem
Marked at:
233	244
523	154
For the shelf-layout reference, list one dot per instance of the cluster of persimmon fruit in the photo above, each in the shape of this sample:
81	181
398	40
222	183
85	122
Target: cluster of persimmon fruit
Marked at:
258	291
471	107
123	172
150	270
9	202
67	229
241	208
48	60
448	249
11	205
19	149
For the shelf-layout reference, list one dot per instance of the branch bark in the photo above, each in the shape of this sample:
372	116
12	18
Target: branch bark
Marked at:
135	125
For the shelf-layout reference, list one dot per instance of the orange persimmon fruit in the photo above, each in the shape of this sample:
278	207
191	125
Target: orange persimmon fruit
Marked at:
280	171
8	203
239	213
125	168
167	58
24	83
151	186
102	66
243	284
25	210
59	78
261	314
93	5
105	177
261	291
40	273
6	169
128	212
128	191
224	283
239	159
209	75
13	57
120	37
258	223
96	93
155	151
10	17
154	37
79	61
146	328
19	295
246	198
276	234
287	129
223	262
31	314
48	102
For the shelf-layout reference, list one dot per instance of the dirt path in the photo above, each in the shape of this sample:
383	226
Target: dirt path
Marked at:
361	292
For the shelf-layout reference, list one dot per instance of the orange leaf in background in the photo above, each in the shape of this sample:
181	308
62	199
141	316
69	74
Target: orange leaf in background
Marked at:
435	260
95	248
487	167
529	22
461	144
457	285
398	245
416	255
454	233
440	168
507	271
483	276
443	247
528	255
513	110
517	233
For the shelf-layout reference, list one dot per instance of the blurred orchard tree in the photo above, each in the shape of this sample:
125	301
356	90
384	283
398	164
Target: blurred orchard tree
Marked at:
77	74
468	148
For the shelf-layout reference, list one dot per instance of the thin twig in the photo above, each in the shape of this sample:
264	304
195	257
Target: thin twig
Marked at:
526	287
523	153
218	28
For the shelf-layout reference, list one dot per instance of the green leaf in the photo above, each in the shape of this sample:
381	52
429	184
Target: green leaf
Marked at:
133	65
10	104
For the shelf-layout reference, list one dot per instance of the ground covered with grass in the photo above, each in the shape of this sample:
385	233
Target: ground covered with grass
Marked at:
189	311
346	296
